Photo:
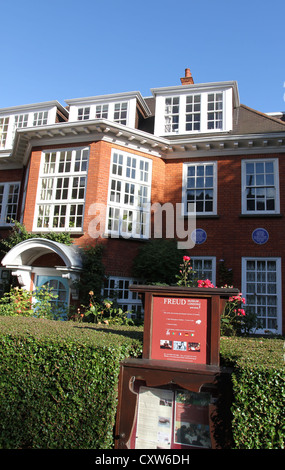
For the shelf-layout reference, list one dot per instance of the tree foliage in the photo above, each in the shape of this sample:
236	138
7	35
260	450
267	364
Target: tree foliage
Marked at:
158	262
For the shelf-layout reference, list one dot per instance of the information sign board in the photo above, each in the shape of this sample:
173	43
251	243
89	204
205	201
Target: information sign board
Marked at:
179	329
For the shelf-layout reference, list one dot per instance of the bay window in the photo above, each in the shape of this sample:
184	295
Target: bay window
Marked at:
129	195
9	198
61	193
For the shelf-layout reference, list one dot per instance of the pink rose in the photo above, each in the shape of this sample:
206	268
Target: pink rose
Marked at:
206	283
241	311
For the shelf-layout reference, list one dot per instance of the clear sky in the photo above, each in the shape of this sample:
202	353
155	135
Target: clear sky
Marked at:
62	49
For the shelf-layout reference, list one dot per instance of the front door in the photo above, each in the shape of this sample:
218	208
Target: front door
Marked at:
59	287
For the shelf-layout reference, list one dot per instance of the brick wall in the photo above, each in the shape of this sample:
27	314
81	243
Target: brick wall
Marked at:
229	236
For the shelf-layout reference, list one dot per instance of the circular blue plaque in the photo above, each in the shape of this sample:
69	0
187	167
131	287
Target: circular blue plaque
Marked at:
260	236
199	236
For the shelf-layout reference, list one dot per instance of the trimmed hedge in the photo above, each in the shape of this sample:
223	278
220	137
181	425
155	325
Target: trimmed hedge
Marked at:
258	391
59	382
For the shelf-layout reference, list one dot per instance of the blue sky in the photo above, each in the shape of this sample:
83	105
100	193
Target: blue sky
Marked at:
68	49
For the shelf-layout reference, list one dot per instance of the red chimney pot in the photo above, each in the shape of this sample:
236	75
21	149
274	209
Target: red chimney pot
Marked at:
188	79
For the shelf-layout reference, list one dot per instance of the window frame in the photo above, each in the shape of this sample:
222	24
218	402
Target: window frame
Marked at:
186	165
132	299
278	293
203	259
83	113
121	108
215	111
4	129
124	196
193	112
4	204
244	186
172	117
40	118
55	181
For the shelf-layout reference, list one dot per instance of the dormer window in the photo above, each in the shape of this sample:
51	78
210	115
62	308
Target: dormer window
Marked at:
102	111
195	109
120	113
122	108
21	120
215	111
40	119
4	122
83	113
193	113
171	114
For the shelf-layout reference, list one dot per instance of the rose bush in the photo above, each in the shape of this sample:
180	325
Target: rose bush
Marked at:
234	319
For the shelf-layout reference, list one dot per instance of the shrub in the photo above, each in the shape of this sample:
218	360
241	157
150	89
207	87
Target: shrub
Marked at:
59	383
40	303
106	312
92	274
258	380
157	262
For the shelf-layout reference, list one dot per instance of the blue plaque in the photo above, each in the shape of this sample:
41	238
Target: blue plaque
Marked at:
260	236
199	236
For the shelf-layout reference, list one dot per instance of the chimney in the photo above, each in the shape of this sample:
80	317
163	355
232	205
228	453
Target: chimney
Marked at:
188	79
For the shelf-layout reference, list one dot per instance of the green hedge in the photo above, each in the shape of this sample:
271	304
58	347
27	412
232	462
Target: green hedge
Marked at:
58	385
59	381
258	380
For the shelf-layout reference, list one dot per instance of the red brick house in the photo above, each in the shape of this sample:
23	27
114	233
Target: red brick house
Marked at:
99	167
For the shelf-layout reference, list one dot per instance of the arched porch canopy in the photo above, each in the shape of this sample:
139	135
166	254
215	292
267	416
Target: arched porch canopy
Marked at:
22	258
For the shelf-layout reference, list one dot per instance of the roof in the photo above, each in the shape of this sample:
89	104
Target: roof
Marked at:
249	121
33	106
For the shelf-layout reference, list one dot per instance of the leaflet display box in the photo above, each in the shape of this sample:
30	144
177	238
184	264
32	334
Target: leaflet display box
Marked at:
172	398
169	406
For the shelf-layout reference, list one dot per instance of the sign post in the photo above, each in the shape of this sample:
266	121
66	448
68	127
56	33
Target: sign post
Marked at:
170	399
